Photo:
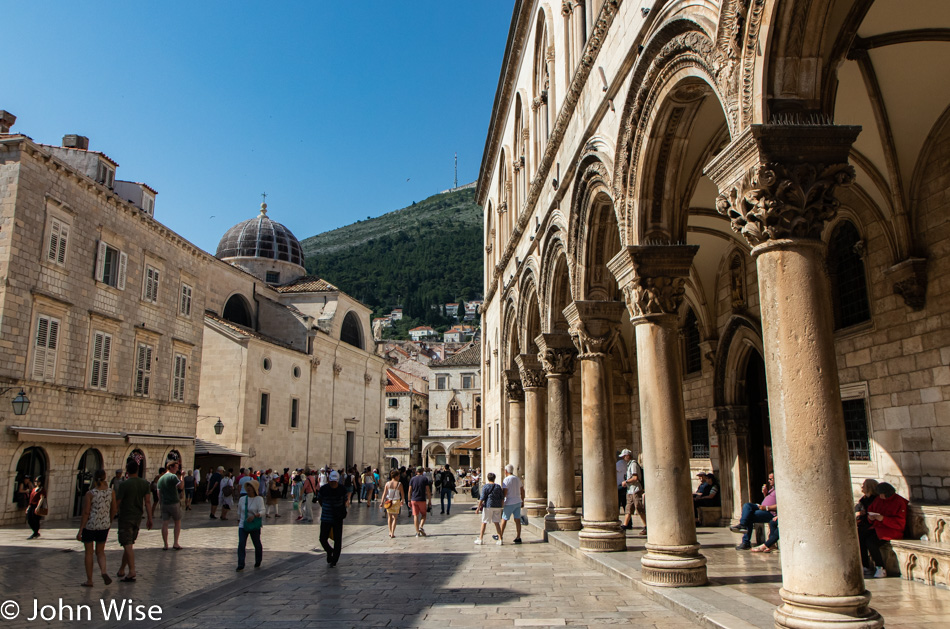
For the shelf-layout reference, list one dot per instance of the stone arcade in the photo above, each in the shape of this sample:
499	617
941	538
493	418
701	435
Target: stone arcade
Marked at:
716	233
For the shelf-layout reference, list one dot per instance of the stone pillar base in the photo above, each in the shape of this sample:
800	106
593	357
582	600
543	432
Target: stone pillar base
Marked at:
602	537
535	508
673	566
562	519
807	611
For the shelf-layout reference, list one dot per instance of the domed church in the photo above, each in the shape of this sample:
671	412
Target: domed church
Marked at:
299	349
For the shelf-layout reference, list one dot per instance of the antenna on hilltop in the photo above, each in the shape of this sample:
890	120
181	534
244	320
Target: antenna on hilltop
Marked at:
456	171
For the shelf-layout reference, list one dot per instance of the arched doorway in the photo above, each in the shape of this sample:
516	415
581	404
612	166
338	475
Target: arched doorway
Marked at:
393	463
32	463
90	461
139	457
760	433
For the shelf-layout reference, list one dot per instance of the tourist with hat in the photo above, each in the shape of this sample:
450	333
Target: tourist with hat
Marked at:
251	512
632	484
334	501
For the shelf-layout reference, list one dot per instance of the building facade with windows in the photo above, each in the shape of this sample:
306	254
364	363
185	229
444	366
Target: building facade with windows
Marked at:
455	410
407	419
716	233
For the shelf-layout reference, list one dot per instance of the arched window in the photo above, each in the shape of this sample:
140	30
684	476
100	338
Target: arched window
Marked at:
693	362
520	164
32	463
455	415
504	204
478	412
352	332
848	283
237	310
543	94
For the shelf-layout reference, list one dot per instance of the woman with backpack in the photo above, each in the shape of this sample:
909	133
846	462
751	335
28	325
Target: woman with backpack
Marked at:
226	498
251	511
490	506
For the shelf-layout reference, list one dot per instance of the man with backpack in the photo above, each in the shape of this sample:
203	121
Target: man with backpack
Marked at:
490	506
447	489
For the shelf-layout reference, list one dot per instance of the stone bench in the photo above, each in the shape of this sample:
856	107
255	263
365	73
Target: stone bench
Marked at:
924	561
709	516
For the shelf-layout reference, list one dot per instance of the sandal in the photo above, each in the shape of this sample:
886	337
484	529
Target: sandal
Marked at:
762	549
176	547
86	585
128	580
106	579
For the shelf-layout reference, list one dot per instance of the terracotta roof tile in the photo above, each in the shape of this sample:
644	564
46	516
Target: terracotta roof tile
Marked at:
307	284
470	355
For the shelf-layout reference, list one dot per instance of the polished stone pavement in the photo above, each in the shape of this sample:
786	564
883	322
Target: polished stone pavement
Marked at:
442	580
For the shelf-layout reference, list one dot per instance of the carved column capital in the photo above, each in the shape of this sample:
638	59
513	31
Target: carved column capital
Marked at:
556	352
595	326
513	388
778	181
653	279
567	7
532	373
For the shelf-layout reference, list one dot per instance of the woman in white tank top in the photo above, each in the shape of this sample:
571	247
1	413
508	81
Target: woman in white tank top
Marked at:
393	497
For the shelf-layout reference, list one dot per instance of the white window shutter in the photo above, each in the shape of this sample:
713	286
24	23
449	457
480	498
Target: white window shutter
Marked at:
106	357
53	240
101	261
50	370
123	267
39	348
155	285
148	369
96	360
63	238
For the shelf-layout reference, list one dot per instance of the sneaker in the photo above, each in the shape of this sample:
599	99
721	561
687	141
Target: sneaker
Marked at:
626	527
418	534
643	531
500	542
494	537
517	540
880	573
479	541
738	529
422	532
33	536
868	572
744	546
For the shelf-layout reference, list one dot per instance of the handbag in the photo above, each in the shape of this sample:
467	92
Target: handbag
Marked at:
387	503
42	509
253	525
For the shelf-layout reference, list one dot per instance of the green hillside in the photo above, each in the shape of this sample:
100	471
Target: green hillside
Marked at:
427	253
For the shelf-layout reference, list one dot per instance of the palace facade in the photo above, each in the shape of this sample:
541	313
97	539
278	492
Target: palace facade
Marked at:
716	233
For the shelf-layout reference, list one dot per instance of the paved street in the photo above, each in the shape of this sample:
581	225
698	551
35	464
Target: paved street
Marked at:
443	580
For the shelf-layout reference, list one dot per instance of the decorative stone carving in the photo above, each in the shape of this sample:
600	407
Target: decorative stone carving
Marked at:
532	375
383	383
337	369
653	278
910	281
737	283
368	379
566	7
594	326
314	362
557	354
513	388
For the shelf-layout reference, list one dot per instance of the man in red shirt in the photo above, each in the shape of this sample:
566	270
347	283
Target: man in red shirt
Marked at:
887	515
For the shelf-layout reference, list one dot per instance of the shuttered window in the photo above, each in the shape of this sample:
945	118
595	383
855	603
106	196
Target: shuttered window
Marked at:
178	378
111	266
143	370
150	287
58	237
184	302
45	347
101	355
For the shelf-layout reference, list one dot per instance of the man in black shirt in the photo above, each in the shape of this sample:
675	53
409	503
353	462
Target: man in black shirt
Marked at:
448	488
214	484
334	501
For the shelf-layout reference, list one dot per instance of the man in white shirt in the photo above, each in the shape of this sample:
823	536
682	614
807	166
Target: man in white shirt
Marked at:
633	485
622	476
514	497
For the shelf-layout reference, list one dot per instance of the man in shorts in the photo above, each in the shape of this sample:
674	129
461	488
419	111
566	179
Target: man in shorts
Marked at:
134	499
420	495
633	484
490	506
514	496
168	486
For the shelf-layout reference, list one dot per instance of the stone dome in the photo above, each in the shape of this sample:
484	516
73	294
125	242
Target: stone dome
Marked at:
260	237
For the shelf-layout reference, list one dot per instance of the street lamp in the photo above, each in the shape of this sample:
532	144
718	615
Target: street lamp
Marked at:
21	403
218	425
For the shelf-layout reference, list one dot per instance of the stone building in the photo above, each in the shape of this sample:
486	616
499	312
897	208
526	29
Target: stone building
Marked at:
717	233
407	419
455	410
94	323
106	317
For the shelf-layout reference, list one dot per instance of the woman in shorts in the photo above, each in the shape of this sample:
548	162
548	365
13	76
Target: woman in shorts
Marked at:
393	497
98	510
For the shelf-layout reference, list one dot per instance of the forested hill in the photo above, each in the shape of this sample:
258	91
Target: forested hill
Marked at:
427	253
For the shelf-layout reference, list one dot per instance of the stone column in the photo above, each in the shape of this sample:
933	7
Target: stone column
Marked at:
595	326
516	434
732	429
653	280
777	186
557	355
535	437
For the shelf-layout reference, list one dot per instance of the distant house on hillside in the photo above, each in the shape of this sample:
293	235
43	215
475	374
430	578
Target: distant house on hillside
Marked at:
422	332
472	309
396	314
452	310
459	334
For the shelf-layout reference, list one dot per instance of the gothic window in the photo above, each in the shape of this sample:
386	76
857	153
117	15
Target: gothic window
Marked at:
478	412
693	360
455	415
856	429
542	90
848	284
699	438
520	164
351	332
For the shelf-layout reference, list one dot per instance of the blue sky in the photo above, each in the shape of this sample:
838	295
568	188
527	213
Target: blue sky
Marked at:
328	107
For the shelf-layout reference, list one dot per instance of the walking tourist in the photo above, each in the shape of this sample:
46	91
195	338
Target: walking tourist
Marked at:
404	476
888	516
213	489
250	511
133	499
622	476
37	508
168	486
225	499
869	495
334	501
393	497
23	490
753	513
490	505
273	493
632	484
189	489
513	489
308	492
369	485
98	509
114	483
420	493
448	488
